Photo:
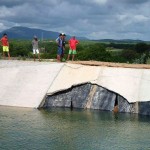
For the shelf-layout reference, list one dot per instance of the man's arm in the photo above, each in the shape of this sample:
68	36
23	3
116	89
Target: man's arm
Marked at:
77	42
0	42
57	40
7	43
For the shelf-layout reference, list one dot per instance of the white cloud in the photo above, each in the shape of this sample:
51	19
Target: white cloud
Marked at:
95	19
2	26
140	18
100	1
4	12
127	19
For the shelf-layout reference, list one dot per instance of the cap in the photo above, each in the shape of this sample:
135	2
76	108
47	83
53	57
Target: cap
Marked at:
63	34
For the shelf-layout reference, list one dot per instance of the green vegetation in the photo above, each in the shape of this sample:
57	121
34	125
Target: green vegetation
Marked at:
86	50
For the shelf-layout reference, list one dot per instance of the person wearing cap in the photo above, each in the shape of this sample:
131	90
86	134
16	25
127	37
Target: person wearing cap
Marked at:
35	47
5	45
72	45
59	42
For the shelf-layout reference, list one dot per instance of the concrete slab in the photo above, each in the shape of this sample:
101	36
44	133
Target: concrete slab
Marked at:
24	83
72	75
124	81
132	84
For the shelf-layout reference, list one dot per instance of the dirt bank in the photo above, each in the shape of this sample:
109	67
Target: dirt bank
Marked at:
110	64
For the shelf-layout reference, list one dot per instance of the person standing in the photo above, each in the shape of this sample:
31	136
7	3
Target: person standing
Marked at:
72	45
59	42
63	44
35	46
5	45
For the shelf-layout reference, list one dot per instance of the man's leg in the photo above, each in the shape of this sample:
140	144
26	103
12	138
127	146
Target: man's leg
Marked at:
59	52
4	51
39	57
58	58
68	57
34	56
73	57
8	55
70	52
3	54
73	54
38	53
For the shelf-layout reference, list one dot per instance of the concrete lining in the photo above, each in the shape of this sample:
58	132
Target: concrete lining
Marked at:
24	83
132	84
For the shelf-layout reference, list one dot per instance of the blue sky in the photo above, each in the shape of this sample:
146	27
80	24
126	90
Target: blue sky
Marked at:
94	19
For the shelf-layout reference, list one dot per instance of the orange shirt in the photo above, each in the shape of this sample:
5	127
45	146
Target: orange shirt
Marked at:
4	41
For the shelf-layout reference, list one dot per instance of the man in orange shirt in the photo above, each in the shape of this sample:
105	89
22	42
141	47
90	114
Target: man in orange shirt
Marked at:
5	45
72	44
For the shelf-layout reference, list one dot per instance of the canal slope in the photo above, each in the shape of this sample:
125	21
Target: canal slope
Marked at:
28	83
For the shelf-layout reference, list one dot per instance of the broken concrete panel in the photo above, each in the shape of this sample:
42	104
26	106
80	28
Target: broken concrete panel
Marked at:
90	96
58	100
72	75
132	84
80	95
124	105
77	95
103	99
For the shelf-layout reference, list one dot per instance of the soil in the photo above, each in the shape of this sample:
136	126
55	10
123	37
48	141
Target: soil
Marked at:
110	64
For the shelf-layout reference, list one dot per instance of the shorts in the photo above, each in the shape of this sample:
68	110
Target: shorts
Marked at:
72	51
59	51
35	51
5	49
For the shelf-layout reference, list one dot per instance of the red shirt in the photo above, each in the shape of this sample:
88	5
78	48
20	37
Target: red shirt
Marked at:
73	43
4	41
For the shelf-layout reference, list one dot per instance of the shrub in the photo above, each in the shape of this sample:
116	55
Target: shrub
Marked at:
94	52
129	55
141	47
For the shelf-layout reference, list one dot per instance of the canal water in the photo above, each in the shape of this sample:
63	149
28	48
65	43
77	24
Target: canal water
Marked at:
63	129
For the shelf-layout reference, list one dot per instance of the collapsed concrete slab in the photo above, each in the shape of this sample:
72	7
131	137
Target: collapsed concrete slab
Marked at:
71	75
132	84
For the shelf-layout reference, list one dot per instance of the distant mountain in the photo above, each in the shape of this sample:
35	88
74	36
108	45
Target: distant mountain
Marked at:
119	41
28	33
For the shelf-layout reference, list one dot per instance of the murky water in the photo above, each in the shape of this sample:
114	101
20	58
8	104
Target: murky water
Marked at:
63	129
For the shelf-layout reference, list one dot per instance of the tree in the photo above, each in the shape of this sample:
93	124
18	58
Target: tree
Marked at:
141	47
95	51
129	54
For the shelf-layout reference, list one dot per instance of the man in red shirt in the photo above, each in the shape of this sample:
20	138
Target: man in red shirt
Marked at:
72	44
5	45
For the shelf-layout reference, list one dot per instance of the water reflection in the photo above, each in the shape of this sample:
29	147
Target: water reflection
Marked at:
23	128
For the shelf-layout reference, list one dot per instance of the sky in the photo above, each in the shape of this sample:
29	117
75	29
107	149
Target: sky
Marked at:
94	19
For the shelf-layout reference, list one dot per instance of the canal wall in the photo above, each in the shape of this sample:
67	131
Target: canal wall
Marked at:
25	83
49	84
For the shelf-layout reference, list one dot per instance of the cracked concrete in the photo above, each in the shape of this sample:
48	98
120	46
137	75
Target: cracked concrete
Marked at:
25	83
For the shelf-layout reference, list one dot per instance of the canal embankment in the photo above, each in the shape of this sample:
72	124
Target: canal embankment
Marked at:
52	84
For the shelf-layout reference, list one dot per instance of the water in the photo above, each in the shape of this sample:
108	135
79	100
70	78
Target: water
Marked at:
63	129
